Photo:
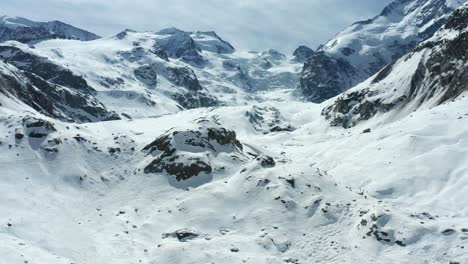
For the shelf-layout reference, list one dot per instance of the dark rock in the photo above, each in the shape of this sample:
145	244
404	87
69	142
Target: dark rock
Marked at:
303	53
114	150
19	136
291	182
353	107
51	99
266	161
448	232
324	77
182	235
192	100
179	44
175	151
268	120
147	75
184	77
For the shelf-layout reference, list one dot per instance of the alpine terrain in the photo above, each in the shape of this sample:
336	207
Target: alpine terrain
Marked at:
175	147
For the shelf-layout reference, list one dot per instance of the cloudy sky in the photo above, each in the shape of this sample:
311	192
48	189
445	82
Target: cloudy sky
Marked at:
247	24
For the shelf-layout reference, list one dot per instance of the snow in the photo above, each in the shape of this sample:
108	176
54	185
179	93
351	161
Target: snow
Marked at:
78	193
387	34
108	65
58	218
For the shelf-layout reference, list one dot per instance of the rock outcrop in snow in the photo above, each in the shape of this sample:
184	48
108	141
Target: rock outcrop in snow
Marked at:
193	155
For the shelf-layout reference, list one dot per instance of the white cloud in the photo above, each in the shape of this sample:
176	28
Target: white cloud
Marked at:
247	24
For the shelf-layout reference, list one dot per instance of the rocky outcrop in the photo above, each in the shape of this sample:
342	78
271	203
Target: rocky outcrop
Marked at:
324	77
184	77
195	96
43	68
182	235
37	128
148	75
51	99
303	53
184	154
267	120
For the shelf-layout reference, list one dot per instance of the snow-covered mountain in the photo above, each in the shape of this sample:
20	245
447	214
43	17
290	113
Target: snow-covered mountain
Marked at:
432	74
365	47
174	147
138	74
27	31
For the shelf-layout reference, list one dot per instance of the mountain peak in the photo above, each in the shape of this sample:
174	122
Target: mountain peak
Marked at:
367	46
27	31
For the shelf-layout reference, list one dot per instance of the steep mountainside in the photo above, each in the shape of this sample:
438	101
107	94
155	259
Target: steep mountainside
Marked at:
367	46
27	31
434	73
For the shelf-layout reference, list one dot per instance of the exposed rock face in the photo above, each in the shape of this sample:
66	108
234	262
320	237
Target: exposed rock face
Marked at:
435	70
43	68
51	99
192	100
196	96
210	41
324	77
353	107
185	154
367	46
267	120
303	53
179	44
184	77
147	75
26	31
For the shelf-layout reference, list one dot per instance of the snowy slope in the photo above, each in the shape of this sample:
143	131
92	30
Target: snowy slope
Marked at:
386	199
27	31
367	46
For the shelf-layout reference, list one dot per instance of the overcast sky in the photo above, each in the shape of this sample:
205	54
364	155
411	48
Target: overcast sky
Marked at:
247	24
